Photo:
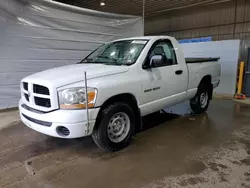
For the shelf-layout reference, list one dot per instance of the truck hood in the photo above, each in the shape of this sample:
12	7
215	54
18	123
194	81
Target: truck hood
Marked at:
70	74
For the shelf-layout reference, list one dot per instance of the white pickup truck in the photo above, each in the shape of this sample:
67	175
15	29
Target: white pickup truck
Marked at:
106	94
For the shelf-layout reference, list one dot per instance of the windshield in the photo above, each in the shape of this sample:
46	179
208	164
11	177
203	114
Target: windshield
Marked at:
117	53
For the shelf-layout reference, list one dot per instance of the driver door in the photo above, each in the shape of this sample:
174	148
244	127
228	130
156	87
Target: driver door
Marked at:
166	78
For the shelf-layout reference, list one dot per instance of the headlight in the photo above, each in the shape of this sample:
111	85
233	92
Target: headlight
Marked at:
75	98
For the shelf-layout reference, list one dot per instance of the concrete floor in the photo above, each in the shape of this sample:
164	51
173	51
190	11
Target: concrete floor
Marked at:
208	150
8	118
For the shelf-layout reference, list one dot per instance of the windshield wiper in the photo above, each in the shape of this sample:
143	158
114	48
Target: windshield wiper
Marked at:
113	63
107	57
85	59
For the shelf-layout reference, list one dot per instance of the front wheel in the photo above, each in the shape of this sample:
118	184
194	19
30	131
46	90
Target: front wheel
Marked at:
115	127
200	102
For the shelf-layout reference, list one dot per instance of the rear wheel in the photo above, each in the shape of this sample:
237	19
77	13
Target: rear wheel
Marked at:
115	128
200	102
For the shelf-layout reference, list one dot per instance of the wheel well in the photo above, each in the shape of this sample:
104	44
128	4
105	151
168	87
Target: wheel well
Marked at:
207	82
125	98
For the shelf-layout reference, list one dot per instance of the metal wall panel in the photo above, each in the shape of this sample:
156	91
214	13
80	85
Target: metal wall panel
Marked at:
229	20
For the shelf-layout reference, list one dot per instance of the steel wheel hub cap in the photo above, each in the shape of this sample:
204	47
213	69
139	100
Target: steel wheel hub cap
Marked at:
118	127
204	99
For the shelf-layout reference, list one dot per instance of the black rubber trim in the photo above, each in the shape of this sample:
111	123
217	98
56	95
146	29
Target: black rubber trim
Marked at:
32	109
201	60
43	123
36	111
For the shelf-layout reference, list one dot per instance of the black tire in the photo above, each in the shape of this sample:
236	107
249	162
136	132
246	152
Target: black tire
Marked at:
195	103
100	132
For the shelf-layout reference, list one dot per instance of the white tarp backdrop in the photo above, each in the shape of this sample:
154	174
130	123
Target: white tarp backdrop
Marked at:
41	34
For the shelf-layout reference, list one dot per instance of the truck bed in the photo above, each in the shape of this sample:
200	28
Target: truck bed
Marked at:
201	60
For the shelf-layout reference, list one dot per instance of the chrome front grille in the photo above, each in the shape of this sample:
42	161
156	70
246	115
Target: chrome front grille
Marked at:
37	96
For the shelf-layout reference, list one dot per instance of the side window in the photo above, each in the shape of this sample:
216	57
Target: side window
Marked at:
166	50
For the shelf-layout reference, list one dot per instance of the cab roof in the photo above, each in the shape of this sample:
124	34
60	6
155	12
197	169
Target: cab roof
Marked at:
145	38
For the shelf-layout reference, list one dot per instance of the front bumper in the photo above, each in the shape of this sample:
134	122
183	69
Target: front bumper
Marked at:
48	123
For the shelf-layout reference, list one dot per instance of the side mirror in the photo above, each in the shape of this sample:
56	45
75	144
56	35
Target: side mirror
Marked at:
156	60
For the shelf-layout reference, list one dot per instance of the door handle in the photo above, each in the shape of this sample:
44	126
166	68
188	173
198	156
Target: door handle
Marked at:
178	72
